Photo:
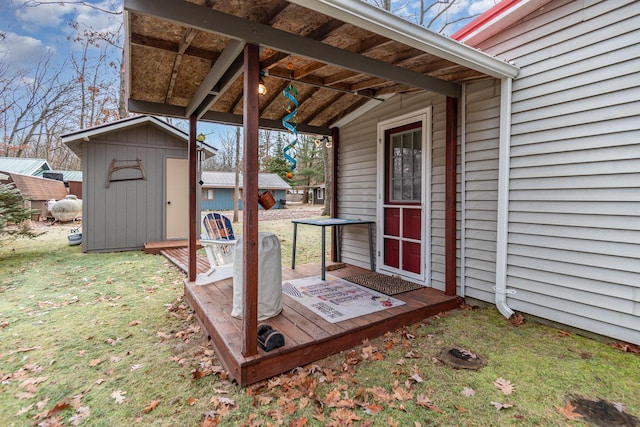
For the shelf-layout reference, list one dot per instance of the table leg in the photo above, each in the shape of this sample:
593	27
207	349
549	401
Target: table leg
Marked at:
336	236
323	249
293	250
370	247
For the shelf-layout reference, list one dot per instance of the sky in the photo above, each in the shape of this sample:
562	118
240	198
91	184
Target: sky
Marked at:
33	31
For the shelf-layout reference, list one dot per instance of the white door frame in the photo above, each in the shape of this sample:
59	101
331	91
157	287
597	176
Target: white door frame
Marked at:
424	116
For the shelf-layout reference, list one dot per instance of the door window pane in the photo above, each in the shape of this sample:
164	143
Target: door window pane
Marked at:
405	159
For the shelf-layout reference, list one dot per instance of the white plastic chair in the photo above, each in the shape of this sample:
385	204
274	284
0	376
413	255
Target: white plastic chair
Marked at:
219	243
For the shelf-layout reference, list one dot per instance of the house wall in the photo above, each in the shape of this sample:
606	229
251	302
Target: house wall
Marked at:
482	124
223	200
357	171
573	253
128	213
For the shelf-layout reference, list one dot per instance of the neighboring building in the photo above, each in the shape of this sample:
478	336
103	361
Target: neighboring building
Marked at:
218	189
134	183
72	179
24	166
318	194
38	191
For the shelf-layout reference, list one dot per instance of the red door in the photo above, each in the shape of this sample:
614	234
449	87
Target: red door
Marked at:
402	244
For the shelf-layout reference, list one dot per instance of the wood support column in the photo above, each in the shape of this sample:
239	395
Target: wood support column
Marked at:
193	199
333	210
250	200
450	196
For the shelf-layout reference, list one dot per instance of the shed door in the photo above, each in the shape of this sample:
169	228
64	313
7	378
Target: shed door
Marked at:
403	208
177	199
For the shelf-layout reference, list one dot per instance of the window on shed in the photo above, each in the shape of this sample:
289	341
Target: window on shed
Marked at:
207	193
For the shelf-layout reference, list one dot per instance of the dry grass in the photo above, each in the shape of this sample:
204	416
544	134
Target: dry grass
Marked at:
80	333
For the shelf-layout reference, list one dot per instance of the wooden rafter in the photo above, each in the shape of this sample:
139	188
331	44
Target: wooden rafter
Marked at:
187	38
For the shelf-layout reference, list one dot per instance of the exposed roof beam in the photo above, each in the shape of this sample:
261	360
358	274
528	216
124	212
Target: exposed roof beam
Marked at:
223	69
187	38
202	18
236	119
147	41
154	108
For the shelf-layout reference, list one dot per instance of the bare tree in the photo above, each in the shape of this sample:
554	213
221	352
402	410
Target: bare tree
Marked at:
34	100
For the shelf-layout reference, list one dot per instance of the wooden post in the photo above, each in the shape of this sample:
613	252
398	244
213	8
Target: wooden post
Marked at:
450	196
250	199
335	141
193	199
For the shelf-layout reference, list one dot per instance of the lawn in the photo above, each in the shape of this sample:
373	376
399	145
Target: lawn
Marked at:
107	340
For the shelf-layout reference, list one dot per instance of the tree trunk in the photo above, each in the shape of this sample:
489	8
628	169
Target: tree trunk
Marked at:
327	179
236	194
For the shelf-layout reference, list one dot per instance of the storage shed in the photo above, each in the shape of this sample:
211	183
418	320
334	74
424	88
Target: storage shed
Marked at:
134	174
218	188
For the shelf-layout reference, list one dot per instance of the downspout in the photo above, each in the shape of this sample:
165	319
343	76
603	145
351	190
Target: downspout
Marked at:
463	189
504	164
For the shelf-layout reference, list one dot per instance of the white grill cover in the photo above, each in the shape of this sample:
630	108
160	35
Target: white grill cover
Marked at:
269	277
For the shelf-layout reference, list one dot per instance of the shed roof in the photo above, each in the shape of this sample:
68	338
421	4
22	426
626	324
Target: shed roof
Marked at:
74	139
24	166
34	188
66	175
266	181
184	58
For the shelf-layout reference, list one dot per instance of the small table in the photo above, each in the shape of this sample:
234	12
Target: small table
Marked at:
336	223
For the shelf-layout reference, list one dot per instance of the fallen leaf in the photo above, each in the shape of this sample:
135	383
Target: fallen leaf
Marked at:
81	414
118	396
298	422
191	401
372	409
210	422
402	394
504	385
425	402
100	381
468	392
60	406
460	408
416	377
517	319
136	367
500	406
95	362
134	323
151	406
568	412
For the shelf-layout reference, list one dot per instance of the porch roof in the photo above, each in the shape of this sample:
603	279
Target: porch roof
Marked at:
185	58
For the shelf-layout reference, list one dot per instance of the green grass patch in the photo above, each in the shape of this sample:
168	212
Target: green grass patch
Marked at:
107	340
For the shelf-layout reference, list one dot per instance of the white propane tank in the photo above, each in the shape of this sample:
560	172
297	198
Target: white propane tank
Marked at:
68	209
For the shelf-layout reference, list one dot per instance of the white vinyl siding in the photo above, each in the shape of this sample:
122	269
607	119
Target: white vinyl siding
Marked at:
357	174
574	210
481	189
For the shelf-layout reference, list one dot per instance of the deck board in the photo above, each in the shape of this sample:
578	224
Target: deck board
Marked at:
308	337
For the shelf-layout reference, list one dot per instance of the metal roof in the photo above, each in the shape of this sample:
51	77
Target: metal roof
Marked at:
66	175
23	166
266	181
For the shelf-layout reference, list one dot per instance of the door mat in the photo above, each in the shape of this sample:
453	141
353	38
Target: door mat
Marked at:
335	299
388	285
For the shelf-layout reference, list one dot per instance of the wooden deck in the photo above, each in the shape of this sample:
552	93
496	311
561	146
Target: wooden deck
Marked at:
308	337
